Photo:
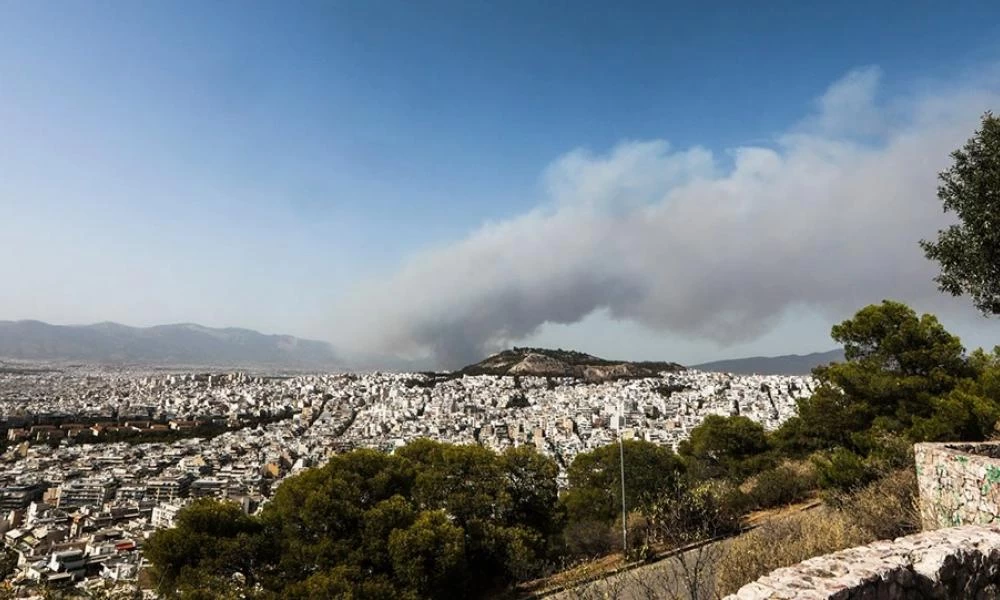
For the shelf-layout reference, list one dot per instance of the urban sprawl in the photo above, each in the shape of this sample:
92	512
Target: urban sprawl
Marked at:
95	461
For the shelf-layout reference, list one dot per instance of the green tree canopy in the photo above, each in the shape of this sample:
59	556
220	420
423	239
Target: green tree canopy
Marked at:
896	365
595	493
726	447
905	379
530	481
433	520
969	252
429	556
489	496
466	481
212	539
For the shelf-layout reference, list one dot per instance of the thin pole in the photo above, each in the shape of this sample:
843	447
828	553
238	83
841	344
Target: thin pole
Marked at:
621	460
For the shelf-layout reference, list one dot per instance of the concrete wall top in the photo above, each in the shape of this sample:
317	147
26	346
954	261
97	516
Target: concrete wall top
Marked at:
960	562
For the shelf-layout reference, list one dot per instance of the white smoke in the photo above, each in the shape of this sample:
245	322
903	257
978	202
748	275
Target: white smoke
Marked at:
827	217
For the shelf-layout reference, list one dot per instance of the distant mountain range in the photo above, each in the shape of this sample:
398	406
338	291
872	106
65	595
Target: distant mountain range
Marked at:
187	344
789	364
181	344
543	362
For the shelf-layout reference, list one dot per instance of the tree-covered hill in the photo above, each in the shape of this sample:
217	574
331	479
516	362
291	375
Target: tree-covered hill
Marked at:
543	362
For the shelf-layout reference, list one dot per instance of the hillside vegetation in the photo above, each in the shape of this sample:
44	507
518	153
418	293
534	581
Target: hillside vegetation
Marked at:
542	362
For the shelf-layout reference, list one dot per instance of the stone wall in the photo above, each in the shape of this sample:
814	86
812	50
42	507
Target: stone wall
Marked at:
959	562
959	483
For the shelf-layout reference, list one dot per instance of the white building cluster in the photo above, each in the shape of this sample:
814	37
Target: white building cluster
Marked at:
80	489
561	417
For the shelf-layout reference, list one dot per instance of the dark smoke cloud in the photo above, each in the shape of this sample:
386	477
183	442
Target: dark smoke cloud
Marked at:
826	217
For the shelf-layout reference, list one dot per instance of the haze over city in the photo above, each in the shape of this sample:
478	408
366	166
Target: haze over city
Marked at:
442	181
511	300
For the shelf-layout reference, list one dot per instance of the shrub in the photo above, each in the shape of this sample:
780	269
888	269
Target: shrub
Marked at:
842	470
590	538
686	514
783	485
886	508
888	452
638	537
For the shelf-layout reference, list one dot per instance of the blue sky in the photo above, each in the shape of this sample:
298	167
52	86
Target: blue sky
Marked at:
283	166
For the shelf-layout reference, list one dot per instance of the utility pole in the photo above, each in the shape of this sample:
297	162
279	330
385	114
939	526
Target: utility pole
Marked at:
621	461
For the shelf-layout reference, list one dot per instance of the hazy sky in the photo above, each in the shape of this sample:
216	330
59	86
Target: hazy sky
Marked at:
668	181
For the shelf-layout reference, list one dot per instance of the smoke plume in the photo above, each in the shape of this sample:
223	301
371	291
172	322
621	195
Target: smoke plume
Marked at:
825	216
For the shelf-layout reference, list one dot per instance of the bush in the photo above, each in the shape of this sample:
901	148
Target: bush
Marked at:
842	470
886	508
784	542
688	514
590	538
783	485
638	537
886	452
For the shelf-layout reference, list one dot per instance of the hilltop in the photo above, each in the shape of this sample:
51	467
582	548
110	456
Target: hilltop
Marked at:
179	344
544	362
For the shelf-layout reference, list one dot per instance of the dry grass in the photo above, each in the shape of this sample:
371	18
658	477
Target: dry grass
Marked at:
887	508
783	536
784	542
884	509
577	573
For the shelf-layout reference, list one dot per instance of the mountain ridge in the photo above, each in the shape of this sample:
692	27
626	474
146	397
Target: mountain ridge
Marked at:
108	342
786	364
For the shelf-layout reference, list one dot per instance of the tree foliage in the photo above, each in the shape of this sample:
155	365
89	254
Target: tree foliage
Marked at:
428	557
969	252
905	379
898	366
431	521
726	447
595	492
211	538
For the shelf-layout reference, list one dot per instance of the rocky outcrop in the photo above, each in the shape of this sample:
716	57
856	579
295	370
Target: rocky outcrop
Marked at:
538	365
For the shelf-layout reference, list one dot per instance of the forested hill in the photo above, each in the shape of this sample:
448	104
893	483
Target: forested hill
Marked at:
543	362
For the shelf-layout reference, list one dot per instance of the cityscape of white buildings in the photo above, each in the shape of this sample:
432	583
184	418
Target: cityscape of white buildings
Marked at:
81	488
